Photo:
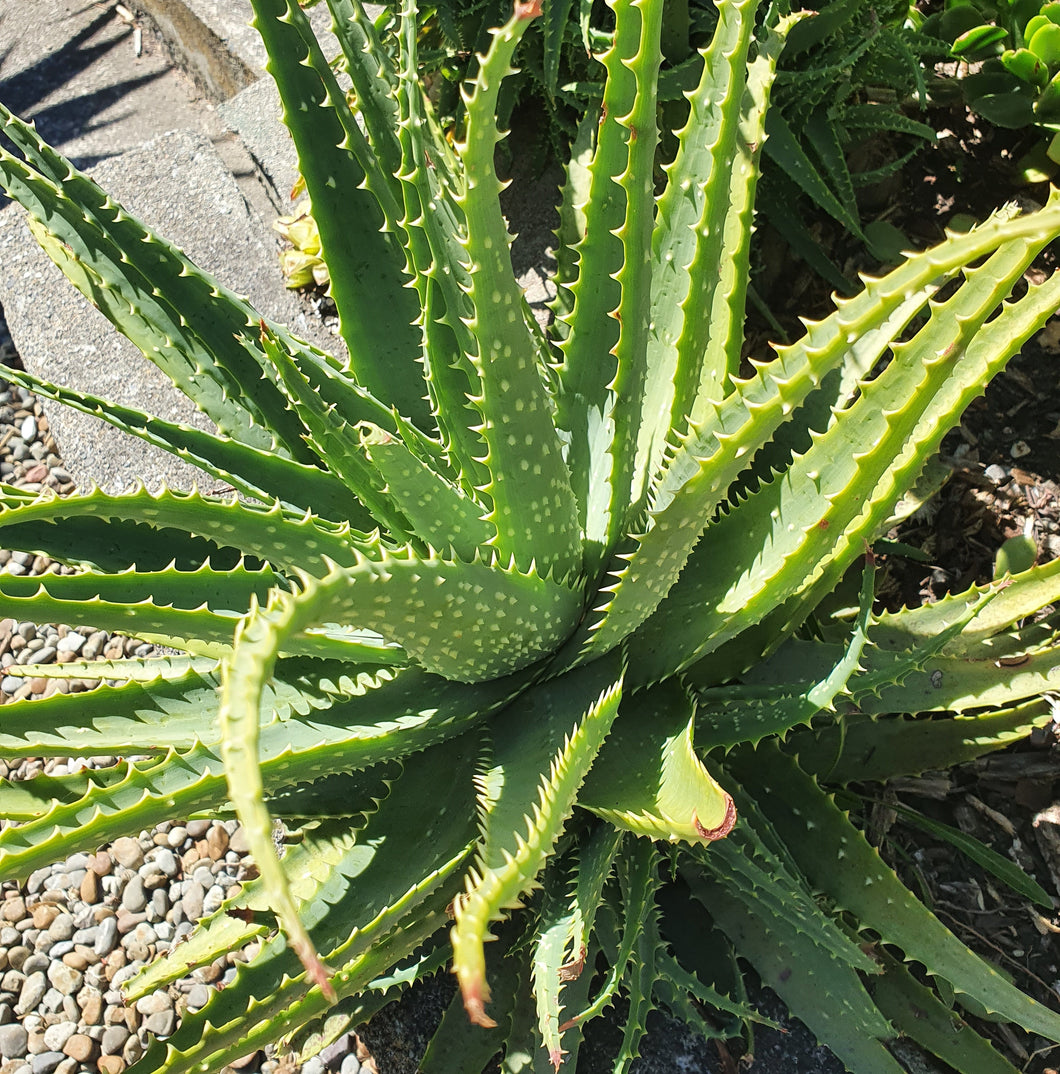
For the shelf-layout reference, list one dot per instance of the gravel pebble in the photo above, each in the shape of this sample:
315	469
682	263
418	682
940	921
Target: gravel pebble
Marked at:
161	1024
107	938
46	1062
135	898
56	1036
192	900
81	1048
31	993
65	978
166	860
14	1041
128	852
114	1038
198	997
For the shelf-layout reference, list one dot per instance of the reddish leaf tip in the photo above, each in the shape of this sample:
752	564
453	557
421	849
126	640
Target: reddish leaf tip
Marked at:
475	1005
723	829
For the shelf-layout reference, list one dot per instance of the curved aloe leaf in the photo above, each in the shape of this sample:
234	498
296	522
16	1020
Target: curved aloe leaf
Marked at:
648	778
196	331
539	755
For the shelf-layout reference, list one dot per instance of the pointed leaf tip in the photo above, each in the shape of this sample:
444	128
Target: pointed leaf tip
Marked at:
475	996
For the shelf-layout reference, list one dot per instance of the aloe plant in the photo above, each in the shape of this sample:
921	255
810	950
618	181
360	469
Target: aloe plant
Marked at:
536	635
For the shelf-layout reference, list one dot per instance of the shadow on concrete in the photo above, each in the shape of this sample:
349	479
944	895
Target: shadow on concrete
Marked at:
58	123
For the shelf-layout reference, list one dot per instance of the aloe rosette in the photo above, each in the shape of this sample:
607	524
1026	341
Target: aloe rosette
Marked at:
530	632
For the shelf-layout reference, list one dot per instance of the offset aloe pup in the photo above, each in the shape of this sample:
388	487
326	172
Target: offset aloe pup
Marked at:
555	638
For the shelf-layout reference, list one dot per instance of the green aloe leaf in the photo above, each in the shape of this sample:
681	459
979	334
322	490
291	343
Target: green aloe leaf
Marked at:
918	1013
336	161
822	991
535	763
529	481
249	470
1008	872
873	749
195	330
648	778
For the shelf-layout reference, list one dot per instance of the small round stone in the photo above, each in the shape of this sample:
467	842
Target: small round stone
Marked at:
44	914
331	1055
91	888
238	841
114	1038
101	863
46	1062
17	955
13	910
14	1041
65	978
36	963
132	1050
72	642
166	860
213	899
32	992
134	898
203	875
350	1065
217	841
198	997
192	900
82	1048
90	1000
155	1002
110	1064
161	1024
107	937
128	852
56	1036
176	836
62	927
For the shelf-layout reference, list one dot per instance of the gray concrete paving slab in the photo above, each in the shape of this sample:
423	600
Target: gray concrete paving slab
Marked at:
73	68
177	184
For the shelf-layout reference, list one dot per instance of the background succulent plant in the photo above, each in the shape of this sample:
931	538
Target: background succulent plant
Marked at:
1012	78
544	634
